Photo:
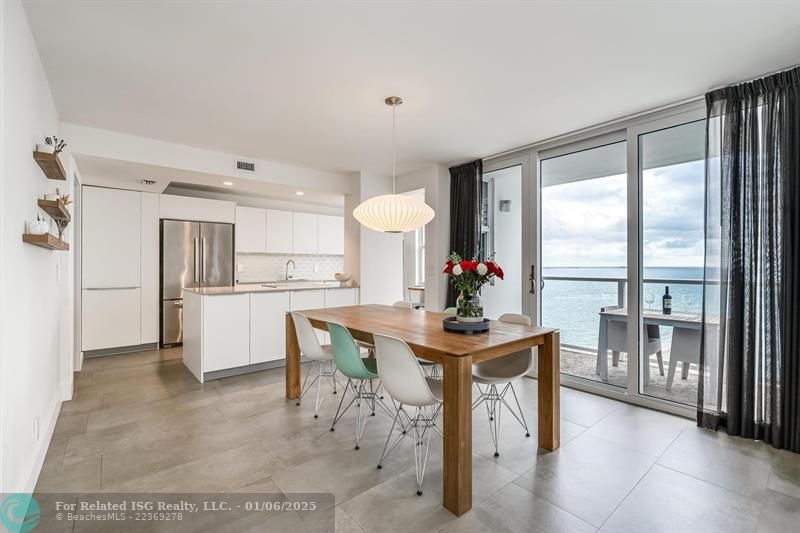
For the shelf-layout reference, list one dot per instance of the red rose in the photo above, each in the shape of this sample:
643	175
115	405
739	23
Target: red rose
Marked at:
448	269
499	273
466	266
491	266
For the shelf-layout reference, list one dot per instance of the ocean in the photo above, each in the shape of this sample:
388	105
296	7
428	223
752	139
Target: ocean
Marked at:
573	306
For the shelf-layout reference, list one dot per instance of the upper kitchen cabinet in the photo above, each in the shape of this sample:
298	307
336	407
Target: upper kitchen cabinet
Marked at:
305	233
330	235
197	209
251	229
110	244
279	232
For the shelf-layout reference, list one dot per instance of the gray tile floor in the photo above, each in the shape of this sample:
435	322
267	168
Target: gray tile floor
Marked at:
142	423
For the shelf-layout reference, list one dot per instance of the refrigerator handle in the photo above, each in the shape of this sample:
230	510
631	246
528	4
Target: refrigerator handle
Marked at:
203	260
196	260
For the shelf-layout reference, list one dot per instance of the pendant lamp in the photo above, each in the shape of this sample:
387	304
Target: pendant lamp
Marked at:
393	213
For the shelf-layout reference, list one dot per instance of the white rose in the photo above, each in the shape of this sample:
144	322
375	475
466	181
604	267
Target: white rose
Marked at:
482	269
457	270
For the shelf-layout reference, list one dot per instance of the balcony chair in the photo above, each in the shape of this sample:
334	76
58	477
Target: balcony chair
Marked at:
618	342
502	372
686	349
403	378
361	374
321	356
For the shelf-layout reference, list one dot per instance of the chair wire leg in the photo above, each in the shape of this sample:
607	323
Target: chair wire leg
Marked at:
305	379
421	438
493	405
361	421
321	368
337	416
521	414
385	453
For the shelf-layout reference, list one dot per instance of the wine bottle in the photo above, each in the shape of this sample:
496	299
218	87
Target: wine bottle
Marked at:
666	303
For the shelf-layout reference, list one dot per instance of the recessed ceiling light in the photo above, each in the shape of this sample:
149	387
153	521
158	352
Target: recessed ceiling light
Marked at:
299	193
228	183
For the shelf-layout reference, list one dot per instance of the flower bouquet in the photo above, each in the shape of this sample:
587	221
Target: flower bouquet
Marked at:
468	277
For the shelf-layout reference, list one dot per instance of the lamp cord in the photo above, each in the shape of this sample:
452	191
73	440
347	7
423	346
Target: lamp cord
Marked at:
394	147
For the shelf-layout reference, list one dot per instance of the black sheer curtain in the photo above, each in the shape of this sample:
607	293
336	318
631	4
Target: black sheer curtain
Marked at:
750	361
465	214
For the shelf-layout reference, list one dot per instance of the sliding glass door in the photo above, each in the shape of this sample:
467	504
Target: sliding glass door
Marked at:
610	219
584	258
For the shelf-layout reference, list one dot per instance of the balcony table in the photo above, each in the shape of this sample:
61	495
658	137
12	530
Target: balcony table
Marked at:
423	332
649	316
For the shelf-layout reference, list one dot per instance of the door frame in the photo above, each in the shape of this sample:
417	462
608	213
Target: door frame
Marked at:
626	128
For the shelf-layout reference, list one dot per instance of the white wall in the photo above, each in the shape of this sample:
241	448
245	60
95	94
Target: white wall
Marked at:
435	179
35	284
506	295
374	259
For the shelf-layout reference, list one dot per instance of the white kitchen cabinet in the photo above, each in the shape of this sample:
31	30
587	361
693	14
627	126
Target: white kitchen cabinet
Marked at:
279	232
268	326
251	229
341	297
110	318
330	235
226	331
175	207
312	299
150	267
304	232
110	243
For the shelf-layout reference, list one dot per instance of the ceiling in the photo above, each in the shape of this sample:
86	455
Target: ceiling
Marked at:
128	175
303	83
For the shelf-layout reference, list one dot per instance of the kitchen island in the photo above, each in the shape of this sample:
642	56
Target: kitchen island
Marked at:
240	329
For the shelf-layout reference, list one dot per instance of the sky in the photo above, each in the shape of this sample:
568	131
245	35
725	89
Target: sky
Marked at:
584	223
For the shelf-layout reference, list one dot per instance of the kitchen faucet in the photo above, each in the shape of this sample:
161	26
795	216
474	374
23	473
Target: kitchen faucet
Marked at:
288	277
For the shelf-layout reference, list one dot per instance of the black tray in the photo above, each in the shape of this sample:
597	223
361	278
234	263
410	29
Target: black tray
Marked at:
451	323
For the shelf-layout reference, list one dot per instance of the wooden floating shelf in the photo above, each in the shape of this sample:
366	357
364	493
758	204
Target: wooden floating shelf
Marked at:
50	165
51	242
55	208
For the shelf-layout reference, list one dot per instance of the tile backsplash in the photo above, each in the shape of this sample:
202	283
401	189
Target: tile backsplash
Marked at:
270	267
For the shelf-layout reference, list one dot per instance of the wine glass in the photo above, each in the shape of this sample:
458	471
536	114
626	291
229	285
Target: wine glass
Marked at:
686	300
649	297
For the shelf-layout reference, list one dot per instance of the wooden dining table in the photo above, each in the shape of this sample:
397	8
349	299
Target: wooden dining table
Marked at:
423	332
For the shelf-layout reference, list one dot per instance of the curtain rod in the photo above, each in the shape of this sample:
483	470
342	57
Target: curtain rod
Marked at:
618	120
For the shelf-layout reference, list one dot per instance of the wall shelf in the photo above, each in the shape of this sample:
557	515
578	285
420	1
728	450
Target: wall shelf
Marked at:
55	208
51	242
51	165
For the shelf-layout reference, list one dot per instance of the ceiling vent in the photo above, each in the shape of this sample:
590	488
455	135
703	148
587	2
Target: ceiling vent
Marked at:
247	166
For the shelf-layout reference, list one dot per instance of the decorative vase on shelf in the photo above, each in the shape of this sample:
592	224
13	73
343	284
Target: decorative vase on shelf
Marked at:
469	307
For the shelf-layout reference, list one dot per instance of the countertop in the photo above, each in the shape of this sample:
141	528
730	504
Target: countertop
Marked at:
269	287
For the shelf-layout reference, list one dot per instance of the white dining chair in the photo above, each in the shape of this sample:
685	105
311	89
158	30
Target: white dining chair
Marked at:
618	342
321	356
685	348
502	372
405	381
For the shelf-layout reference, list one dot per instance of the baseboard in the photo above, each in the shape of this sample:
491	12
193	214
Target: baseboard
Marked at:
120	350
41	453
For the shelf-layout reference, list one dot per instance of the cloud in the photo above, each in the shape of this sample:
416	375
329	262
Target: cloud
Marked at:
585	223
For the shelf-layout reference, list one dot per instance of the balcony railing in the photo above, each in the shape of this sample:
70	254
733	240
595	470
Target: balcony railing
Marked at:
590	310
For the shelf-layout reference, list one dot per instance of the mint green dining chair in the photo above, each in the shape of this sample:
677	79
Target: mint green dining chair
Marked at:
361	374
450	311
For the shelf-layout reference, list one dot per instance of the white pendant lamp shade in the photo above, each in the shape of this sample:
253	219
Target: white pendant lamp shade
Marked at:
393	213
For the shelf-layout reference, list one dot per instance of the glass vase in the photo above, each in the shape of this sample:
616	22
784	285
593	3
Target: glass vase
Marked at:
469	307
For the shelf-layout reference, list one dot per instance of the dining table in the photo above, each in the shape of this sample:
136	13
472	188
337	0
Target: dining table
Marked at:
423	332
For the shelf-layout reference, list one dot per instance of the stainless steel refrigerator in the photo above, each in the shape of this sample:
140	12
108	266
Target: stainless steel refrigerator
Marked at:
193	254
